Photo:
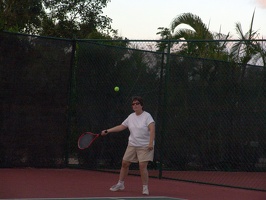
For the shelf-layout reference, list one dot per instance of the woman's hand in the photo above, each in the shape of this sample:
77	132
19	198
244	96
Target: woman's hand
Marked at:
150	147
104	132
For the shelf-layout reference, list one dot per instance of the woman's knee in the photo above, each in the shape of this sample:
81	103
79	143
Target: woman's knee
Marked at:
125	164
143	165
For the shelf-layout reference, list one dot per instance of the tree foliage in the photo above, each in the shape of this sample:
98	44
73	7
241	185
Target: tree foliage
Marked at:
79	18
21	16
245	50
57	18
201	42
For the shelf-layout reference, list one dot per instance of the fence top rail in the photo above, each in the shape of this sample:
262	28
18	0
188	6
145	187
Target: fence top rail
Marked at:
171	40
138	40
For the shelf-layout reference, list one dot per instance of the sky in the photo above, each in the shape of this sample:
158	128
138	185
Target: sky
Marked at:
140	19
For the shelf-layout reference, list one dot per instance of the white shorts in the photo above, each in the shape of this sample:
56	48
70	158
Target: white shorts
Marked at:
138	154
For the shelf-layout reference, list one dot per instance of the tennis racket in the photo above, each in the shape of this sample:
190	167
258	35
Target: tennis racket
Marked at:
87	139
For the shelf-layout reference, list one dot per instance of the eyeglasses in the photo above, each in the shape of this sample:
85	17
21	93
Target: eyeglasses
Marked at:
137	103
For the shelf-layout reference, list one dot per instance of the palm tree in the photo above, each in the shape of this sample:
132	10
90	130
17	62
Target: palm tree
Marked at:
247	48
200	30
200	42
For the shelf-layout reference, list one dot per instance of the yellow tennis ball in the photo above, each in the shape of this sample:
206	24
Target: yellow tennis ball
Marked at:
116	89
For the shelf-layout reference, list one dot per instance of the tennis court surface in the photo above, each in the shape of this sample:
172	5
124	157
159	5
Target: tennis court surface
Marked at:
111	198
31	183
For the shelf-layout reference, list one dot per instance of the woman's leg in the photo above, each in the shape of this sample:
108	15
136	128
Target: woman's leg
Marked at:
124	170
144	177
123	173
144	172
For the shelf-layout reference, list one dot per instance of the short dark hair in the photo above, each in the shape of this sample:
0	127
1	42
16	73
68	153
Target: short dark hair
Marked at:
138	98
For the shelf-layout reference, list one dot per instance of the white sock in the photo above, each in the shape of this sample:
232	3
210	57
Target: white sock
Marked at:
145	186
121	182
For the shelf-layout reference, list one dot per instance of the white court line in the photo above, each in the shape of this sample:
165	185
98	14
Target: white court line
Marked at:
105	198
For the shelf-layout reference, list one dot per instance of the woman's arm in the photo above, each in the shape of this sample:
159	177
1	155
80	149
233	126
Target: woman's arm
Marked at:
114	129
151	127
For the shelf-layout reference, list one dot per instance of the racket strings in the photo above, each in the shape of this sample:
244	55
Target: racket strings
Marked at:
85	141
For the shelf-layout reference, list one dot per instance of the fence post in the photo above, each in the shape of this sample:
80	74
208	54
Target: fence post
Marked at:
72	80
164	109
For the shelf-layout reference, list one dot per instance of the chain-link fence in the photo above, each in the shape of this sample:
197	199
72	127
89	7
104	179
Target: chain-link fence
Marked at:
35	76
210	114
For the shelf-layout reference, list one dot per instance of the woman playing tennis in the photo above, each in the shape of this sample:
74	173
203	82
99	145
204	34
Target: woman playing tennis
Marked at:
140	147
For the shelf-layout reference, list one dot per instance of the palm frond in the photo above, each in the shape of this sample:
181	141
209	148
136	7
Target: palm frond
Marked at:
194	22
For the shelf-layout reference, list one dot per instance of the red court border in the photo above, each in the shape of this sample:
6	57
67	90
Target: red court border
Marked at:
73	183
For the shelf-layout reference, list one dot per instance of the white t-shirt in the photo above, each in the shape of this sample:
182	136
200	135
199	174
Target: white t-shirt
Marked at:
138	127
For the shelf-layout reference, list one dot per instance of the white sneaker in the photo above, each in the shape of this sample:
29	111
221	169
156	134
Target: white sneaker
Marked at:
117	187
145	190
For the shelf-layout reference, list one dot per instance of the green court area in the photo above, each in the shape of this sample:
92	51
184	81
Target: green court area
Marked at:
136	198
